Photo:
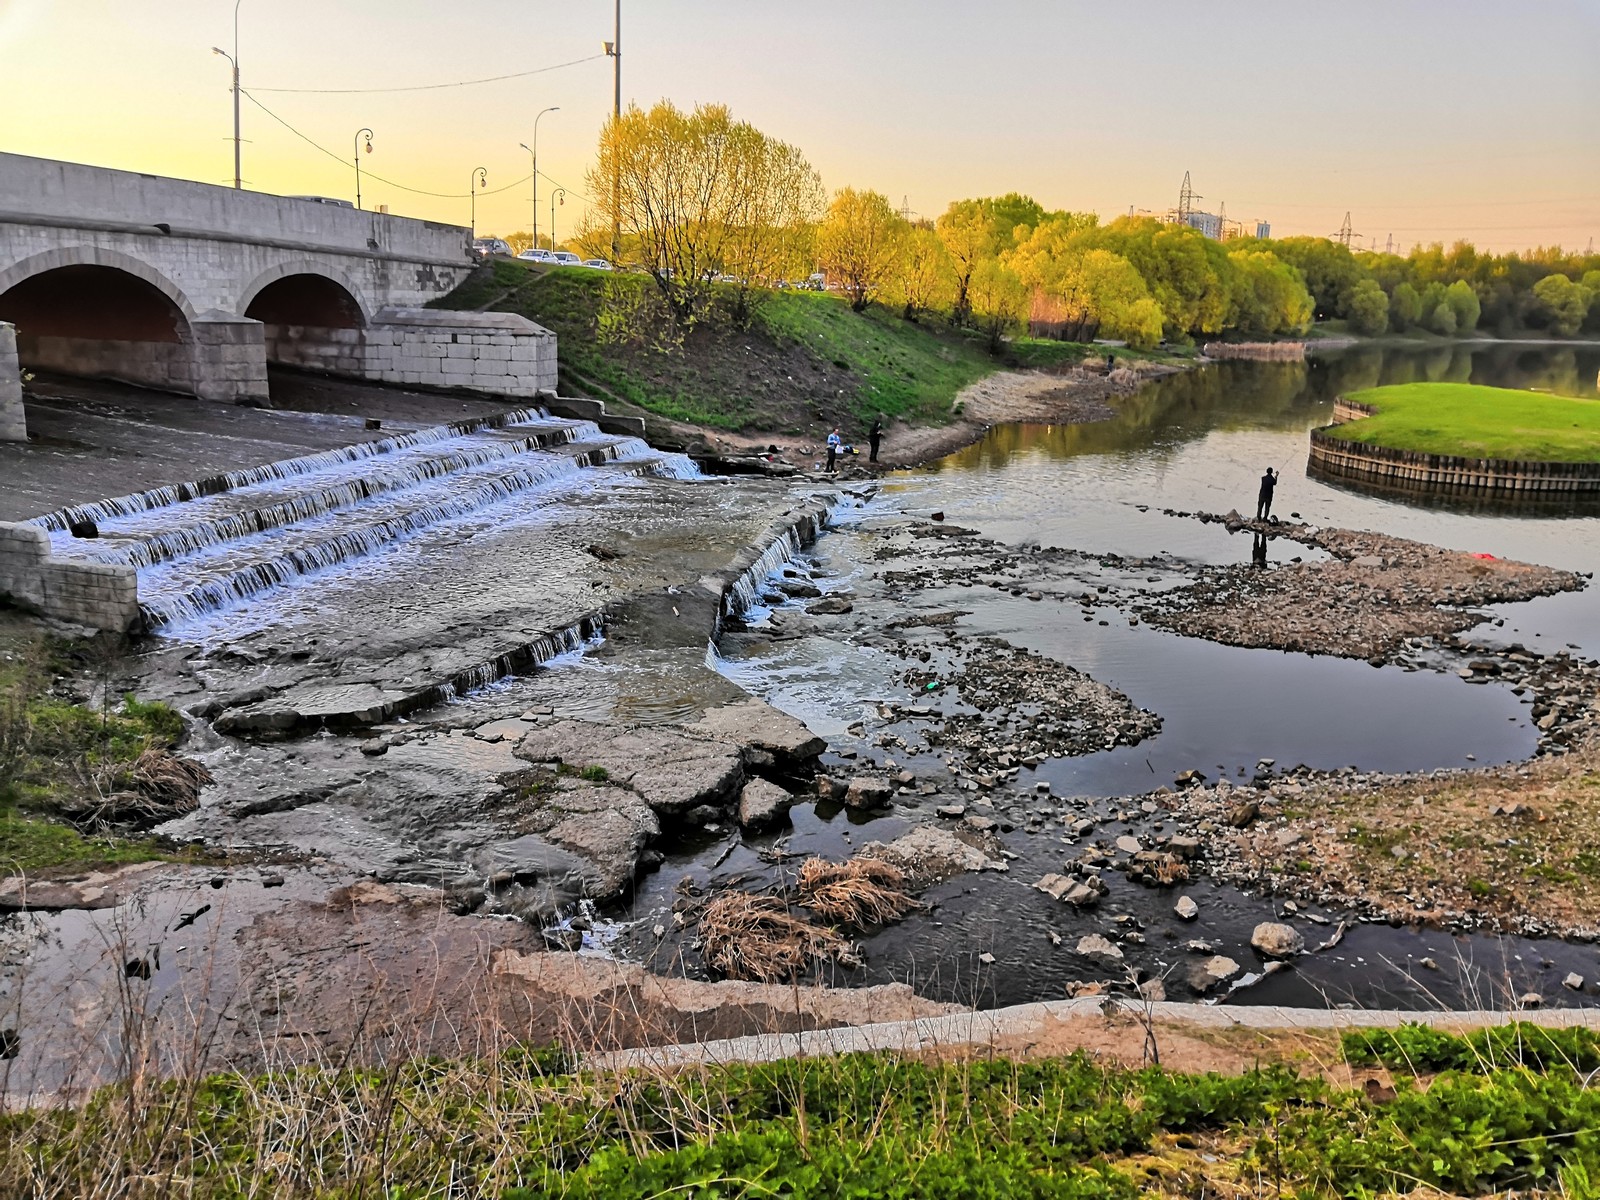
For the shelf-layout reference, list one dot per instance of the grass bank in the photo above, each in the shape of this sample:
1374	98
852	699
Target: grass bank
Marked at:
1474	421
1510	1107
62	763
802	362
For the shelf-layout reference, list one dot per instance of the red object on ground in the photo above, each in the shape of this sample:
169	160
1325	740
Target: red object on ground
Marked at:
1488	556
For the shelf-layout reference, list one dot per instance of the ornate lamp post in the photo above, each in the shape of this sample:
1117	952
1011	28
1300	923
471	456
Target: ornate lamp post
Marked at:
562	192
480	178
360	133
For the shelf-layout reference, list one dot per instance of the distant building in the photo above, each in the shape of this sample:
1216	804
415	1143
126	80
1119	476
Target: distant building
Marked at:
1263	229
1218	226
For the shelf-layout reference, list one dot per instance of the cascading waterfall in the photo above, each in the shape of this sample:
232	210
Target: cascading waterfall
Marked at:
168	594
581	634
779	544
121	506
217	520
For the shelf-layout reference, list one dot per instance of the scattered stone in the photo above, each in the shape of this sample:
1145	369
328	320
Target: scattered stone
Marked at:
1055	886
1186	909
1128	845
1153	990
672	771
951	811
868	791
1573	981
1101	949
762	803
1275	940
373	747
1242	816
1190	778
272	881
830	606
986	959
930	853
1428	964
1202	977
1530	1000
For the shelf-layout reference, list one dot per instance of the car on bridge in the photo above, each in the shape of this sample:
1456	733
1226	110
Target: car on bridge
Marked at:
488	247
597	264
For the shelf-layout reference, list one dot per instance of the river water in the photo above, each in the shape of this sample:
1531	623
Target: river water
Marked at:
1197	441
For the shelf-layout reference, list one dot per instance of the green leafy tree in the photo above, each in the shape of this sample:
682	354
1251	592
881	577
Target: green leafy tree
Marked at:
922	278
858	241
1267	296
998	298
1369	308
1562	304
1463	302
1405	307
969	238
1331	272
1443	319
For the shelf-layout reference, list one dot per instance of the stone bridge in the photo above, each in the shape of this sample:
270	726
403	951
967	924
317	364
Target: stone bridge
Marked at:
194	288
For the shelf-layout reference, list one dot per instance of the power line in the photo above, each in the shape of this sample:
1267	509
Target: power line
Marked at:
430	87
340	159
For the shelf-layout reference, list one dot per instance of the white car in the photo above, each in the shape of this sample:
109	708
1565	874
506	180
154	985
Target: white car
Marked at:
538	256
597	264
566	258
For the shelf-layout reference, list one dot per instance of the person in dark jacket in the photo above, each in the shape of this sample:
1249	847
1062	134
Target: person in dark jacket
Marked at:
874	436
1264	498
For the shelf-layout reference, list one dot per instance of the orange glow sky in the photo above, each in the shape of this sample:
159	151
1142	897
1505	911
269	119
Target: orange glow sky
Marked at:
1426	119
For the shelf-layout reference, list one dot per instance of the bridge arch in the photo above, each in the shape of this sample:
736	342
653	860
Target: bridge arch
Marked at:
86	310
305	288
311	315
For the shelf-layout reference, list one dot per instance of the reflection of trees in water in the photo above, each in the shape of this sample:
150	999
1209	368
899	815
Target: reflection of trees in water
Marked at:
1282	396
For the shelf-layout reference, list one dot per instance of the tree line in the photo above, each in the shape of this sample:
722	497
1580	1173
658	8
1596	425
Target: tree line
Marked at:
718	214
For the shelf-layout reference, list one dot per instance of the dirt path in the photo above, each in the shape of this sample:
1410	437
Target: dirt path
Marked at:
1077	394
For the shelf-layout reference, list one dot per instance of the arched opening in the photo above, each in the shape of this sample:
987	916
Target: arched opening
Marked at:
100	321
306	300
311	321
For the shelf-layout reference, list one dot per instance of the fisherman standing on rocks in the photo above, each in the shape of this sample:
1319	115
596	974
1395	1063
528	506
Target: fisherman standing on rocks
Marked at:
874	436
1264	499
835	444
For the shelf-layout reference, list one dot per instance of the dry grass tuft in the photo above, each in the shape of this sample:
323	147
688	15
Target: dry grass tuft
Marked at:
164	785
755	938
861	892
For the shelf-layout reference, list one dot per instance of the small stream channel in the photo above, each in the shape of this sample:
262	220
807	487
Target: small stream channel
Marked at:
1197	441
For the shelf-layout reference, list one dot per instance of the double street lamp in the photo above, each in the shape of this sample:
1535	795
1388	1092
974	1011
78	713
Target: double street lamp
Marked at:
533	153
360	133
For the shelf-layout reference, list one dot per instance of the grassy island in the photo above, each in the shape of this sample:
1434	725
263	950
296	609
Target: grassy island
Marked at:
1471	421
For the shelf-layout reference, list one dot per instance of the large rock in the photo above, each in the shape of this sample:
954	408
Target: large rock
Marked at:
758	725
1275	940
1204	976
593	834
672	771
1104	951
928	854
762	803
868	791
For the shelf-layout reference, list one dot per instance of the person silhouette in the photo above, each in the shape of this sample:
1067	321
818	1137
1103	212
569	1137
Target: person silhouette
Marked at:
1264	497
1258	549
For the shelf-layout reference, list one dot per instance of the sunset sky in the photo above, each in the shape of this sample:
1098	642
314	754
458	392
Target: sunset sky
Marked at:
1425	119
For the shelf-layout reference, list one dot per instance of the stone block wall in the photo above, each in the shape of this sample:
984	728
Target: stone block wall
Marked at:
230	357
500	353
13	427
165	365
99	595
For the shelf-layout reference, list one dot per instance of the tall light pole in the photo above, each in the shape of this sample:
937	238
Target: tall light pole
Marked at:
614	49
358	137
562	192
480	177
234	62
533	152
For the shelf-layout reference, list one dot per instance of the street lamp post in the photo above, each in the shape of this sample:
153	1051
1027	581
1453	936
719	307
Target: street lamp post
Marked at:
234	63
562	192
614	50
359	134
480	178
533	153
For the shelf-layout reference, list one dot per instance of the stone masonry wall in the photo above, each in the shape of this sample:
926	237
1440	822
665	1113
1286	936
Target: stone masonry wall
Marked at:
500	353
99	595
13	428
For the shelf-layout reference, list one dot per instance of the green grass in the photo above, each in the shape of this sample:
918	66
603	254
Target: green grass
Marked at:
1512	1108
1478	422
803	363
31	844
